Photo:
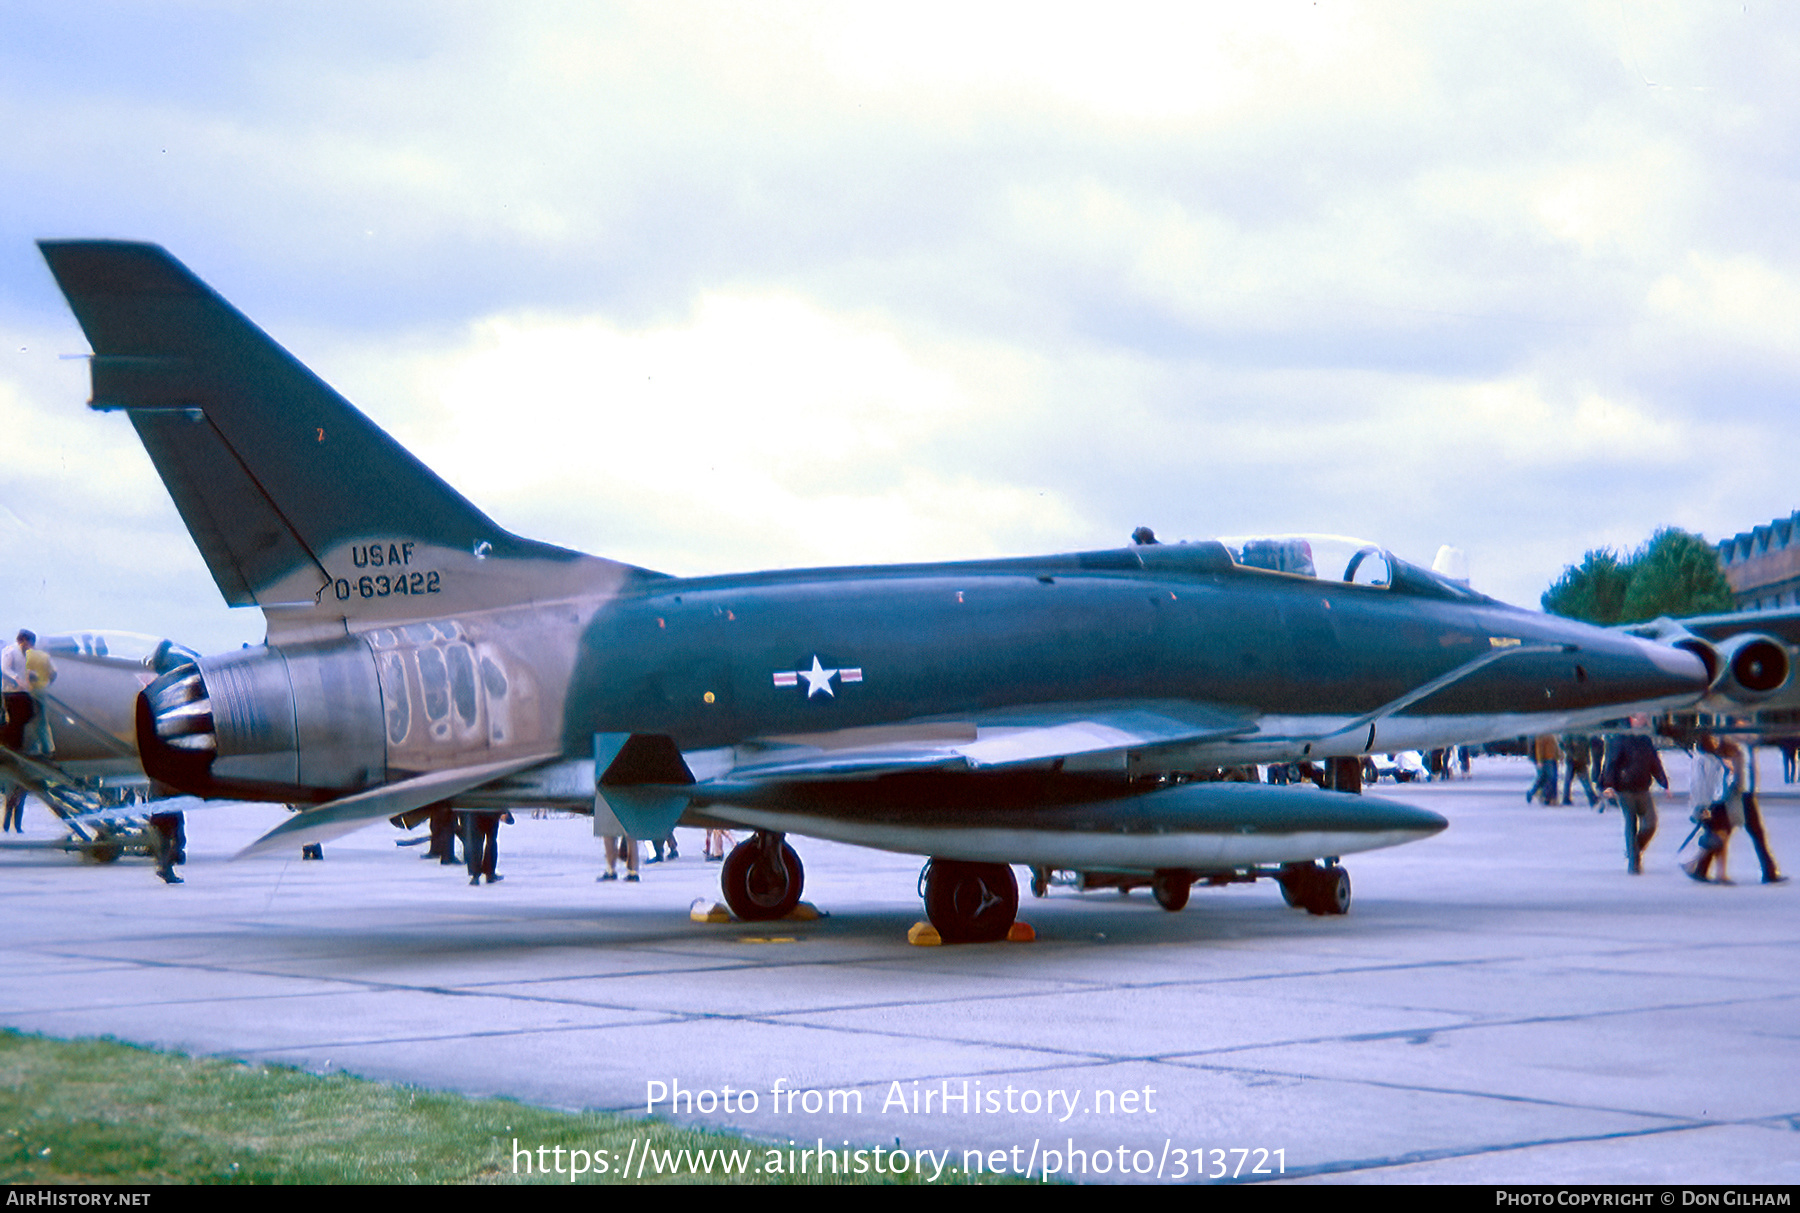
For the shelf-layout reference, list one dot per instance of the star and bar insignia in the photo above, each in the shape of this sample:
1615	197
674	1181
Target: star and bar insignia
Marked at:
818	679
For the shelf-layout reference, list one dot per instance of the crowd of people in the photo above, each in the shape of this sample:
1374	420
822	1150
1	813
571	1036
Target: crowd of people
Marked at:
1721	796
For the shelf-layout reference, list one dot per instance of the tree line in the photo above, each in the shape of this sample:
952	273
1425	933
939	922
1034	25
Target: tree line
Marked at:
1674	573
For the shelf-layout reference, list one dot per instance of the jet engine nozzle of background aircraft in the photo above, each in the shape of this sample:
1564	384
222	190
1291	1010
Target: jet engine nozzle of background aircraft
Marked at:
1751	668
299	723
1745	668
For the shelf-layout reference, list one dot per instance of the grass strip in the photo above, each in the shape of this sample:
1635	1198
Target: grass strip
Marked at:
104	1112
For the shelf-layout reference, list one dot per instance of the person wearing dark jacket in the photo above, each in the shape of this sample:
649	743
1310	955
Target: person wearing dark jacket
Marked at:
1630	767
1575	755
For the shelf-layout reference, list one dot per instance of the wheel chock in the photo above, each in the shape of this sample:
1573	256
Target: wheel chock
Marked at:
708	911
924	935
806	911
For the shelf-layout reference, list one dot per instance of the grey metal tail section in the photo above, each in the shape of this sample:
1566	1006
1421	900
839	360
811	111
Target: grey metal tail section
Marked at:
268	465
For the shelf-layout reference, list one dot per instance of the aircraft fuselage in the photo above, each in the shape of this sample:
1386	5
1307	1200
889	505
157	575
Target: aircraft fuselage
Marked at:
713	661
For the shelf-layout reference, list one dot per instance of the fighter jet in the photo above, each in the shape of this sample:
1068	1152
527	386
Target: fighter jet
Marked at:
91	705
91	779
1039	710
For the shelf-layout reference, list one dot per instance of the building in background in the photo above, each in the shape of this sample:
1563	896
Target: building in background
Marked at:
1762	566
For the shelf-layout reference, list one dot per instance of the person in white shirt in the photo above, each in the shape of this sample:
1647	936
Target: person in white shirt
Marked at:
1717	778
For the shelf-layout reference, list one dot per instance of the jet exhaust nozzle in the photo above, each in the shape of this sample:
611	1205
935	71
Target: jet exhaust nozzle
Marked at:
1753	667
1745	668
233	725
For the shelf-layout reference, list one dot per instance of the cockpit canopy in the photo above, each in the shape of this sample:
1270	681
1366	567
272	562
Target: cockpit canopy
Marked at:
1342	559
1328	557
131	648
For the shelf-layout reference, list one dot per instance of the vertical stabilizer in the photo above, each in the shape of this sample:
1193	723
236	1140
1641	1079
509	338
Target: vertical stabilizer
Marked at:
297	501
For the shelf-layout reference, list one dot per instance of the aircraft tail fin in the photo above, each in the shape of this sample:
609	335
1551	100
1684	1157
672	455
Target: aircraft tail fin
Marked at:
278	478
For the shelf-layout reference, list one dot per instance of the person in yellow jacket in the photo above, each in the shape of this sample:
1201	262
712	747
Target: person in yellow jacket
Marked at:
1546	752
40	672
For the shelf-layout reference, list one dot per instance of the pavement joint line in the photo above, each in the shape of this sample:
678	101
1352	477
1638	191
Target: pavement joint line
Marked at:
779	1019
359	983
1411	1034
654	1019
371	986
492	988
1464	1093
762	1020
1415	1157
487	990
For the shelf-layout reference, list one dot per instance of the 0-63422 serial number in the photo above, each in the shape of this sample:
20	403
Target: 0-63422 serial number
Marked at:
381	585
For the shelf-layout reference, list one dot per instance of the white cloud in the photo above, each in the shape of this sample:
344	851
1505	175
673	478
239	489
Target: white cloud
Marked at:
782	283
1136	61
760	430
1736	301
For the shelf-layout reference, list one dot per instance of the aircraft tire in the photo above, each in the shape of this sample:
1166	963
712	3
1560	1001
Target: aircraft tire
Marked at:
1040	882
759	891
1170	887
1294	883
1330	892
971	902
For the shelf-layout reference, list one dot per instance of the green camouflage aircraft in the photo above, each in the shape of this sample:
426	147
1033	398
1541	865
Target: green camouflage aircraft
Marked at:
1044	710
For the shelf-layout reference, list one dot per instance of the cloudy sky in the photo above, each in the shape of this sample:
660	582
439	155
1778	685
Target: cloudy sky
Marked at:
710	287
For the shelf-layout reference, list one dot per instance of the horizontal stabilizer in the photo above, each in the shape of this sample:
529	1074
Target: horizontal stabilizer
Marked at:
336	818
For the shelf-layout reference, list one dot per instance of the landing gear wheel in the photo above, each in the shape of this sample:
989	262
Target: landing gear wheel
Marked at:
1040	882
1315	889
1293	882
1170	888
1331	892
971	902
762	878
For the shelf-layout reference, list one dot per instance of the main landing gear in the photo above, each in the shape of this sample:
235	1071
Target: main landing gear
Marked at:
762	878
1315	889
970	902
1319	888
1170	886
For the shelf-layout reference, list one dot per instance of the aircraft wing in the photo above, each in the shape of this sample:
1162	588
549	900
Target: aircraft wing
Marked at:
1782	624
1021	737
646	784
1747	654
346	815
